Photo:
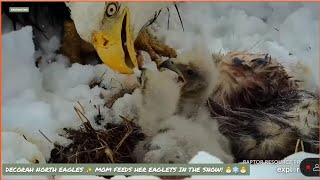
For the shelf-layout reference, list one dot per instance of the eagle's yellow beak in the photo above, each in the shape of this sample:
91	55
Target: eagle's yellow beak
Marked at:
115	47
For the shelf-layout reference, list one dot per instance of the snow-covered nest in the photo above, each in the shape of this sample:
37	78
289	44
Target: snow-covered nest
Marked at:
114	144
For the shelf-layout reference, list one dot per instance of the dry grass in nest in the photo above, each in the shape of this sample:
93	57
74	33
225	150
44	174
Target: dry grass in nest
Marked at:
113	144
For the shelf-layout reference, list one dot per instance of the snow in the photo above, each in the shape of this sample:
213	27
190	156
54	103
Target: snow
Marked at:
18	64
277	28
13	153
205	158
43	99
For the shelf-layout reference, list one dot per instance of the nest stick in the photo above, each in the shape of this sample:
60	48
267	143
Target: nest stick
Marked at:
302	146
87	151
83	115
118	95
45	136
123	139
81	107
299	142
112	79
254	45
109	145
103	75
87	123
109	153
126	135
297	146
76	157
77	111
24	137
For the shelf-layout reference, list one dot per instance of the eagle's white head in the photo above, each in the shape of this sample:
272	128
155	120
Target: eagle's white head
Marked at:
111	27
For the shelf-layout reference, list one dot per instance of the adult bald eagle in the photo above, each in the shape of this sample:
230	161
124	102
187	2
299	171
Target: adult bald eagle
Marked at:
112	29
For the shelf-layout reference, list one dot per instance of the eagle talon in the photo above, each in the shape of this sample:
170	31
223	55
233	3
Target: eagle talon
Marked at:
153	47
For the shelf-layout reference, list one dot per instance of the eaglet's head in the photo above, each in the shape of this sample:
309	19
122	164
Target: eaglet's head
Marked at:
199	71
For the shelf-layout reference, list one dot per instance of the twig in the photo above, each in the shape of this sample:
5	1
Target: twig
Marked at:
125	119
254	45
168	18
81	107
24	137
83	115
126	135
98	137
118	95
297	146
45	137
112	79
87	151
302	146
299	142
103	74
109	153
78	111
77	157
123	139
175	5
86	124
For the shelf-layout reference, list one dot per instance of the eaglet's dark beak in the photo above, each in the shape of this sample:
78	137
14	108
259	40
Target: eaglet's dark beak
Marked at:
170	65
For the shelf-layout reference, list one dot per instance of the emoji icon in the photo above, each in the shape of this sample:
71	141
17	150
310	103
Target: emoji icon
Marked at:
235	169
228	169
243	170
89	169
316	167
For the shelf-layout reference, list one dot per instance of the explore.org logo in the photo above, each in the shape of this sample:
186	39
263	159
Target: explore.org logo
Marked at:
18	9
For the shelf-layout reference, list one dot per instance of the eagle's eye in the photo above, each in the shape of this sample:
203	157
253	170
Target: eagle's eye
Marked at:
237	61
112	9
